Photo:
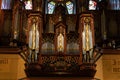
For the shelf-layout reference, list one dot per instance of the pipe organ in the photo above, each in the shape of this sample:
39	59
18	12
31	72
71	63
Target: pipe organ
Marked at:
61	51
58	41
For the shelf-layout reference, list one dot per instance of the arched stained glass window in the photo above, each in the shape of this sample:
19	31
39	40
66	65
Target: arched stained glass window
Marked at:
28	4
92	5
69	7
51	7
6	4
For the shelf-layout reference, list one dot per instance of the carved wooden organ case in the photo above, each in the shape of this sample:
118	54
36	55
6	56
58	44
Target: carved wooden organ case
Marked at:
58	50
61	51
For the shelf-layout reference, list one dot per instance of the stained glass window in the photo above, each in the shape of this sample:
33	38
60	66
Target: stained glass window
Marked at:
28	4
92	5
51	7
6	4
114	4
69	7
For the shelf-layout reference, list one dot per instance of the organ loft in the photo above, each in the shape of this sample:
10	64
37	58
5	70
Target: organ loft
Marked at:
58	38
